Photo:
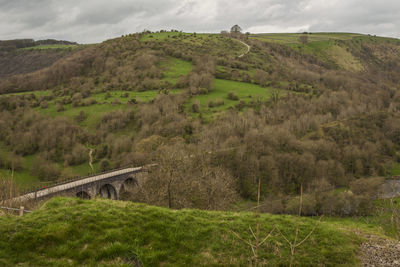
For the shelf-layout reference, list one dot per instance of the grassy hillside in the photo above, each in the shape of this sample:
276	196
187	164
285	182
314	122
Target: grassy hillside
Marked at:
321	113
73	232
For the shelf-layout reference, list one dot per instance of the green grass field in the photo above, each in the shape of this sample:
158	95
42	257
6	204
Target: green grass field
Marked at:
175	68
246	92
73	232
116	101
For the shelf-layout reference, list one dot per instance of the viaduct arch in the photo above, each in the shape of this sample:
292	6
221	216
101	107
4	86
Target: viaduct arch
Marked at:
107	185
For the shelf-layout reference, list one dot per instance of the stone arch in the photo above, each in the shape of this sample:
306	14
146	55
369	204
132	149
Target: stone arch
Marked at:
108	191
130	181
83	195
126	187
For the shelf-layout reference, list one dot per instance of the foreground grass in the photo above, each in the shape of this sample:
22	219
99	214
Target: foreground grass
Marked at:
73	232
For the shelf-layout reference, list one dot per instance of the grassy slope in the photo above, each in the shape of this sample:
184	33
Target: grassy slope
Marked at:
326	47
73	232
175	68
395	169
246	92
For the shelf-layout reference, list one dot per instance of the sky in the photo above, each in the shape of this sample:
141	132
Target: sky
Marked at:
92	21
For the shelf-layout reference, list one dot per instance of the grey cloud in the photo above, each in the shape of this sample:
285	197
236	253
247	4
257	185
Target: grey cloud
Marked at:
96	20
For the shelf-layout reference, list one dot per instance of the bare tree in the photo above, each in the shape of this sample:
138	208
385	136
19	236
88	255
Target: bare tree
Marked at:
256	235
293	244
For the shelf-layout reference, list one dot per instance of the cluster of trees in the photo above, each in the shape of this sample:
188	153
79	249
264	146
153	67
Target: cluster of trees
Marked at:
200	79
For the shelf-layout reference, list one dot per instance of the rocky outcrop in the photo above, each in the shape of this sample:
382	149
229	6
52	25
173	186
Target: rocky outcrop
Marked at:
377	251
391	188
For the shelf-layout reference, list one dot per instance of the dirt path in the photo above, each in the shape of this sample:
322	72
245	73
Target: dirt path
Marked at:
91	159
248	48
377	251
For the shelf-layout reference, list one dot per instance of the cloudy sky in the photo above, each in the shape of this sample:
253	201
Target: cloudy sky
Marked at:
91	21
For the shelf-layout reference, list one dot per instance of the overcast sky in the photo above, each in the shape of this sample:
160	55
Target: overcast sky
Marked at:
88	21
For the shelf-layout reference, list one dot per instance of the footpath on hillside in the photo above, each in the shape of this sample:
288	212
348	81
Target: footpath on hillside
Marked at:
248	48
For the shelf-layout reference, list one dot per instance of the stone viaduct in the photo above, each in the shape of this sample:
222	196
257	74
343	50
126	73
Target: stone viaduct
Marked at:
107	185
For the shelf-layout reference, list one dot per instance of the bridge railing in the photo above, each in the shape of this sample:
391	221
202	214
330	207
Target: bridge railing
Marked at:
77	178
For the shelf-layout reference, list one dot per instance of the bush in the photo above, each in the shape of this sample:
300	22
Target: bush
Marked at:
195	108
59	107
79	155
132	101
45	170
81	116
240	105
44	104
104	165
309	206
367	187
116	120
232	96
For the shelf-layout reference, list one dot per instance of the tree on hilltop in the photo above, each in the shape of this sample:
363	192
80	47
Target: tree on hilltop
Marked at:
236	29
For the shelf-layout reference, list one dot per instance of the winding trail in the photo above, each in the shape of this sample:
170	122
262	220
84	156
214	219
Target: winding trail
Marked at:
91	159
248	48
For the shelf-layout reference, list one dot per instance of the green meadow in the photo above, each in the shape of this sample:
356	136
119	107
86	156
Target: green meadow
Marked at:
245	92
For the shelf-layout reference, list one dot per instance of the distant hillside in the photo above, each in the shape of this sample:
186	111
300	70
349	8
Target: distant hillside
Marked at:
9	45
20	62
26	55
